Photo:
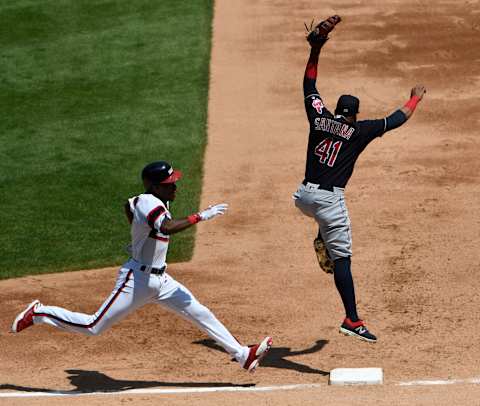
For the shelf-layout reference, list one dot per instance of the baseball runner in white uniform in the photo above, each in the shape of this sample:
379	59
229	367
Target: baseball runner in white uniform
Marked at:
143	278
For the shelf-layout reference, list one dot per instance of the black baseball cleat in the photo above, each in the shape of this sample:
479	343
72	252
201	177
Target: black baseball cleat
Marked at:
357	329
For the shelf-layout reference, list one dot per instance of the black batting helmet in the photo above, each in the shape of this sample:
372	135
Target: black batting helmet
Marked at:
160	172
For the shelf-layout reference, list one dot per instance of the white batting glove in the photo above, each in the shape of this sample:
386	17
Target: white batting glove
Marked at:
213	211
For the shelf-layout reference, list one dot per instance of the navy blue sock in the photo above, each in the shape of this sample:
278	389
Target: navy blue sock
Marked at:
344	283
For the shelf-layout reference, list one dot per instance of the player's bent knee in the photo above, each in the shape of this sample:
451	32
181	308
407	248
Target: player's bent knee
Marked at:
96	330
92	332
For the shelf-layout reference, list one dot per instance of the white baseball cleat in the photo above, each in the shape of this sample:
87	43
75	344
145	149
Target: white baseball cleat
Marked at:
25	318
257	353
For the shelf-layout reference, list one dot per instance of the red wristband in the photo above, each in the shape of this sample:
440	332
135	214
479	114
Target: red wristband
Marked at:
412	103
194	218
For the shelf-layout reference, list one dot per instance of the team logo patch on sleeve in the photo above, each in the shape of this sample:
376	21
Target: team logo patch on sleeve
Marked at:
317	104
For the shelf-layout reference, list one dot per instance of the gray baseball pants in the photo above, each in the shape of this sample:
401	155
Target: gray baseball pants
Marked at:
329	210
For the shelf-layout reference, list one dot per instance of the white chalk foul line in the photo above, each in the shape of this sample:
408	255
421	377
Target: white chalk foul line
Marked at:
154	391
157	391
440	382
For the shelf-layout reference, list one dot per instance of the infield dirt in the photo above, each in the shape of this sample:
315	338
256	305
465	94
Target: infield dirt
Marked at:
413	201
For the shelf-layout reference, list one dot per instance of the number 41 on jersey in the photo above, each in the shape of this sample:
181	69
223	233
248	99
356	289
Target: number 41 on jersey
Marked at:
327	151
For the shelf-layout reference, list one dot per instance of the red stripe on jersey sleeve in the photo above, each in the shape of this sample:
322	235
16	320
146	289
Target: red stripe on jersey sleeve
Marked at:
154	215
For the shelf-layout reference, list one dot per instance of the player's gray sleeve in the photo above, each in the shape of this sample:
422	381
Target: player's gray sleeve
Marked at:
394	120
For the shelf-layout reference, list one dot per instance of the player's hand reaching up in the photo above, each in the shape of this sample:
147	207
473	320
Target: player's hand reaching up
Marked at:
318	35
419	91
213	211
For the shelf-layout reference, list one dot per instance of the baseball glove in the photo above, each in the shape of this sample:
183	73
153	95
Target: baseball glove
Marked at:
326	264
317	36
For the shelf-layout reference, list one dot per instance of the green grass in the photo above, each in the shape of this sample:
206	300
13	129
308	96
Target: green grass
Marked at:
90	92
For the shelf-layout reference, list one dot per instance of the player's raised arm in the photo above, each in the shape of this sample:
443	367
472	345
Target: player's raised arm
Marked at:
316	38
401	115
310	77
416	96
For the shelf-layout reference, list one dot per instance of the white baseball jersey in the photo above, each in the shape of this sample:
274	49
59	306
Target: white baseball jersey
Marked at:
136	287
149	244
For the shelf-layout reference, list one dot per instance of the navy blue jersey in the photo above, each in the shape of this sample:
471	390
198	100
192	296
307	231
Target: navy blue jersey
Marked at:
334	144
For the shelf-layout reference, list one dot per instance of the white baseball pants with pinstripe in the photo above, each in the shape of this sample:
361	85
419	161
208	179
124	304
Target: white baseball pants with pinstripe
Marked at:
134	289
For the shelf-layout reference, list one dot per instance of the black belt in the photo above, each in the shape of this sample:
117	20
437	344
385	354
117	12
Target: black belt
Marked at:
329	188
155	271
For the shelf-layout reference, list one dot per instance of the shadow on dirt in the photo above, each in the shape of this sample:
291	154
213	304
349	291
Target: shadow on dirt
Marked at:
94	381
276	356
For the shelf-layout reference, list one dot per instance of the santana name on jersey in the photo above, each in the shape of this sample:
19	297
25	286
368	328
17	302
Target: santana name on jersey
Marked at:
334	127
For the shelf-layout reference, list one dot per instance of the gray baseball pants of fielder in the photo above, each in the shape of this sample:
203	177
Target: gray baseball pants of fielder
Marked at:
329	210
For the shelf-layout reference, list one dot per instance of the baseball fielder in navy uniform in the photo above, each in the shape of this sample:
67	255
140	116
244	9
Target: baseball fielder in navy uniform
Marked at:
334	144
143	278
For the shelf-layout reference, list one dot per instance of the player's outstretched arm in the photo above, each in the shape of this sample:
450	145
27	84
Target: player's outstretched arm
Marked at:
172	226
416	95
316	38
401	115
310	76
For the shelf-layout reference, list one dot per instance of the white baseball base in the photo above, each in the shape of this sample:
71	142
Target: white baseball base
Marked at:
356	376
